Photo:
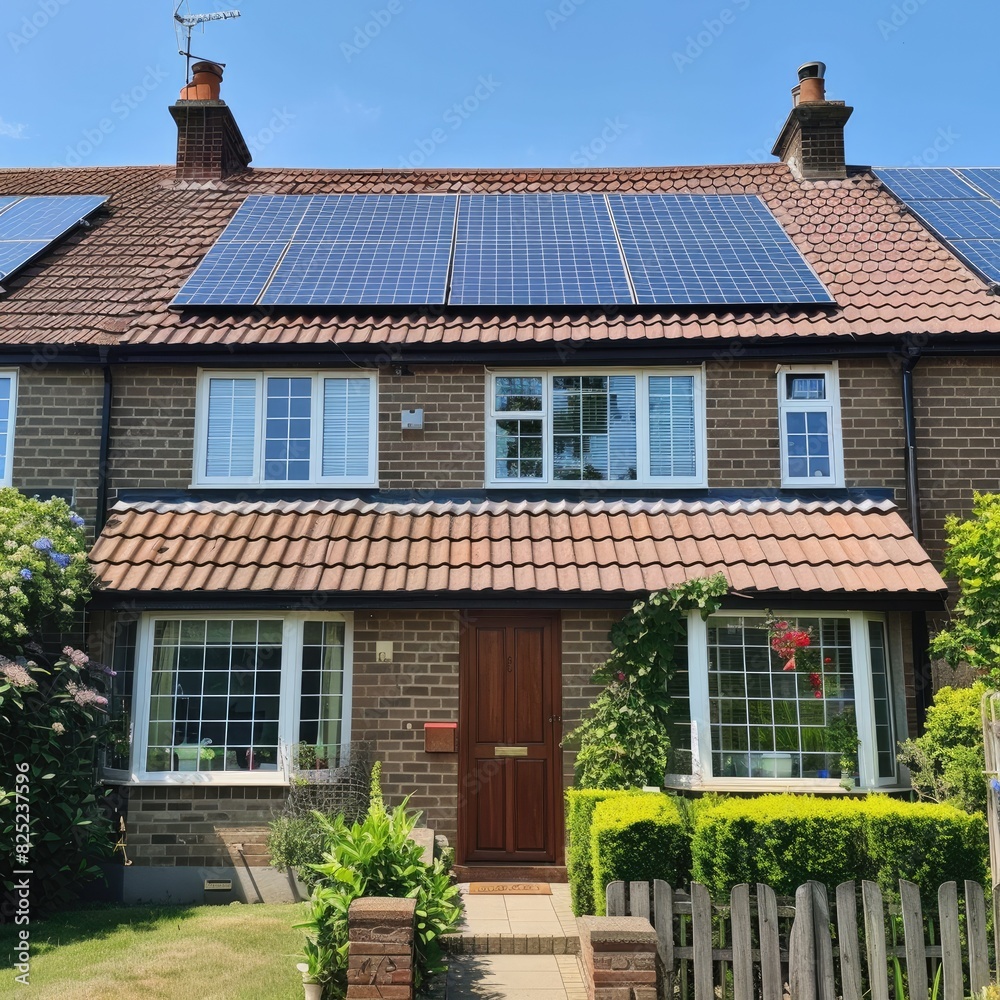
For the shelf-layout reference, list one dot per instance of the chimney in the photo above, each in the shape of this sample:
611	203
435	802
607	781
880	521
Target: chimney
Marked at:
210	146
812	138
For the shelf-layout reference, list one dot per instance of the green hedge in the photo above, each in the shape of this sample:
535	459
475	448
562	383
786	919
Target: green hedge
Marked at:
580	806
641	837
785	840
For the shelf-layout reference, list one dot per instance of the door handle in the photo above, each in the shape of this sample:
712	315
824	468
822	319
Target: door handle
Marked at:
555	718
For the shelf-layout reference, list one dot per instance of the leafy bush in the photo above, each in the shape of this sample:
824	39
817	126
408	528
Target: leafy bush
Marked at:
295	844
580	806
624	742
781	840
947	762
924	843
376	858
785	840
641	838
43	568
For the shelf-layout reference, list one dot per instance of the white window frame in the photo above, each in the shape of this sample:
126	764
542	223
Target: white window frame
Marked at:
643	464
830	406
205	376
864	703
7	472
290	694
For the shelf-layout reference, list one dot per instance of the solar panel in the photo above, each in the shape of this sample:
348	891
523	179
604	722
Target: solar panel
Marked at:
29	224
329	250
710	250
987	179
983	255
543	249
961	220
923	183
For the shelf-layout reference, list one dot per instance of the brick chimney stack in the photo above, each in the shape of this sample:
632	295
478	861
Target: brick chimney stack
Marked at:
812	138
210	146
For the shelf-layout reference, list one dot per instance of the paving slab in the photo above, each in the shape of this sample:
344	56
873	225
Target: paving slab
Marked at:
511	977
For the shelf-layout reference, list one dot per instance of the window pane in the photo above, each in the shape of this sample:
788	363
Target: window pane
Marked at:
6	423
785	725
806	386
519	449
321	707
593	421
808	443
347	427
287	429
232	408
518	394
203	718
885	742
672	426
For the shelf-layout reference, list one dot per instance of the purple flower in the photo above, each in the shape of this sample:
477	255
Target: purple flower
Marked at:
26	574
60	559
76	520
43	544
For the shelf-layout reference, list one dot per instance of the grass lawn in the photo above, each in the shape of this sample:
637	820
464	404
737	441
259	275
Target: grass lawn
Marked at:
238	952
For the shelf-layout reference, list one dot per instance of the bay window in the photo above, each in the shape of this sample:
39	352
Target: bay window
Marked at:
577	428
8	403
227	695
753	716
286	428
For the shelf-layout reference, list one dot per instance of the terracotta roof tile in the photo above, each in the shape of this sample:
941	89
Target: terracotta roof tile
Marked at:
566	546
114	283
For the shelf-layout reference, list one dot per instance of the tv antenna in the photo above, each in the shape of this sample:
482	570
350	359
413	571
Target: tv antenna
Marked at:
187	22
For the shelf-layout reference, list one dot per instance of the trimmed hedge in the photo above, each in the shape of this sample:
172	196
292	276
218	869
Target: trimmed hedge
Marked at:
781	840
785	840
640	837
580	806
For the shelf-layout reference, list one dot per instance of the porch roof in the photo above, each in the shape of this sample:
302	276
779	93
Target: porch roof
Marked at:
543	547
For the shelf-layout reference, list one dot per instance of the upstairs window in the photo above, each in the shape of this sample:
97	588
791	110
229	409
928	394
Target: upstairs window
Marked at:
286	428
809	417
578	428
8	399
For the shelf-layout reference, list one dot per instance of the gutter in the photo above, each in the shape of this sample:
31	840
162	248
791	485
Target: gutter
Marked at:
920	633
102	462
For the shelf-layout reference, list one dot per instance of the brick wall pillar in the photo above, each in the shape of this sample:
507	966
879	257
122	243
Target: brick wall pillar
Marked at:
619	958
380	956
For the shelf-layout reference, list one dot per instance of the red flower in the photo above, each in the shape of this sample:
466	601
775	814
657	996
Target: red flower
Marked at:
790	665
621	676
781	626
828	659
819	694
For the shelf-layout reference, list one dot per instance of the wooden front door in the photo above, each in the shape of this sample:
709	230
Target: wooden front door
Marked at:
510	788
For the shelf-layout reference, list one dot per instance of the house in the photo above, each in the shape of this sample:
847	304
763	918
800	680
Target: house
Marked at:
347	486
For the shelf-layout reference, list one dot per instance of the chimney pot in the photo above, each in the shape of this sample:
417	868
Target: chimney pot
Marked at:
206	83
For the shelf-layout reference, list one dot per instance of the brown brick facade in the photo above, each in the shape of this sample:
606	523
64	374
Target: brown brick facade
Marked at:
57	437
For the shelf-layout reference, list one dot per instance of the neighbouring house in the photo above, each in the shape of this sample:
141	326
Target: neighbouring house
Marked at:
381	455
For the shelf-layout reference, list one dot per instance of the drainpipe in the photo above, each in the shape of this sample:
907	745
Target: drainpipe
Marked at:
102	465
920	634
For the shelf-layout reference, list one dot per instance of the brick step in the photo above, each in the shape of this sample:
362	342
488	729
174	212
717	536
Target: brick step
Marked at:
511	944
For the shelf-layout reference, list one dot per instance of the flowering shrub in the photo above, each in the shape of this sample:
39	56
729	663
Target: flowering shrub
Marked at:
44	576
624	741
793	646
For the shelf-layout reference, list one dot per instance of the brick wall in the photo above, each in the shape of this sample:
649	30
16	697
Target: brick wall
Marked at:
200	827
742	423
57	437
152	428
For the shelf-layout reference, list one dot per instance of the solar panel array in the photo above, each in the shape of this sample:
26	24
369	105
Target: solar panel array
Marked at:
512	250
961	205
30	224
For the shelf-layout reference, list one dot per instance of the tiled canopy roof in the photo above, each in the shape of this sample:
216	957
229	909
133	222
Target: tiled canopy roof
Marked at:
113	283
564	547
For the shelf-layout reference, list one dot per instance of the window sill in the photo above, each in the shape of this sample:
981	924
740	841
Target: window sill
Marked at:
204	778
814	786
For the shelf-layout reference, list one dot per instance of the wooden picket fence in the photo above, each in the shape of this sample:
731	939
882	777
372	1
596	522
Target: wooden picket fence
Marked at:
763	948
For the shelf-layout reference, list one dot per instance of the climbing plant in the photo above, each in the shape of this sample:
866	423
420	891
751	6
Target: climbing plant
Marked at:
624	740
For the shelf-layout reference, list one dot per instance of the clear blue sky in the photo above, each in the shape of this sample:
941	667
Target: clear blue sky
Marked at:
381	83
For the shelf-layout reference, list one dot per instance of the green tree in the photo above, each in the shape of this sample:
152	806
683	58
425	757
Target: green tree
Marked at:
973	560
624	741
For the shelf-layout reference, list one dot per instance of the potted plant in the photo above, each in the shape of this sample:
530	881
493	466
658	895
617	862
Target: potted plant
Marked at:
262	759
842	739
190	754
315	969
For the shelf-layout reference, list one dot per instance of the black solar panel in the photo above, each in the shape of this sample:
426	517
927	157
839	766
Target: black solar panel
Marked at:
540	249
329	250
987	179
961	220
923	183
710	250
28	225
